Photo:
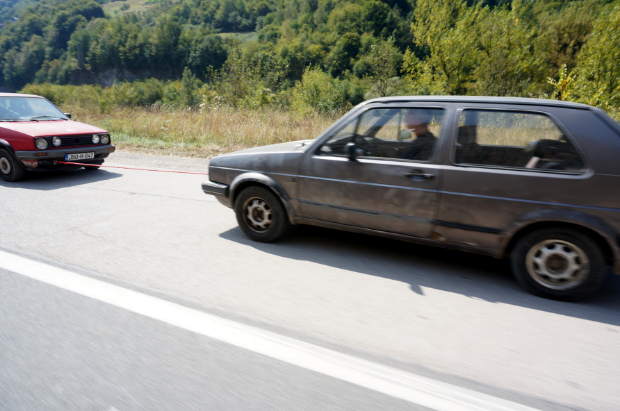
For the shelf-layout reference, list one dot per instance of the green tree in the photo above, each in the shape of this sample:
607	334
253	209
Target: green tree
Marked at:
564	33
343	54
375	16
63	26
21	65
597	73
508	62
164	43
444	28
206	52
346	18
189	89
383	64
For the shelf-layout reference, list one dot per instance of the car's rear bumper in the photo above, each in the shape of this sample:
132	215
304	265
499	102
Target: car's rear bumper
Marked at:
59	153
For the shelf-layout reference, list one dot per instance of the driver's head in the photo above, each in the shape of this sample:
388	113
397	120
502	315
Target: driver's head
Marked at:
417	120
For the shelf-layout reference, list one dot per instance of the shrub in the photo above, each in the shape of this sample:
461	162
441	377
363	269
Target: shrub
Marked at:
318	92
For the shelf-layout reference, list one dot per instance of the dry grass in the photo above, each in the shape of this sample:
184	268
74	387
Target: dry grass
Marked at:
516	137
201	134
514	128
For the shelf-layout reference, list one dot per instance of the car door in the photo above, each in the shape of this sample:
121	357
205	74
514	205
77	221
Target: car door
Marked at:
392	184
508	162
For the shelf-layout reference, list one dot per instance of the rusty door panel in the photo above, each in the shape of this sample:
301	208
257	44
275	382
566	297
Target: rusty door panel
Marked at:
370	193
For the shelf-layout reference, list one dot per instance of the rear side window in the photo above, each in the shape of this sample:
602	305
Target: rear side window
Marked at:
516	140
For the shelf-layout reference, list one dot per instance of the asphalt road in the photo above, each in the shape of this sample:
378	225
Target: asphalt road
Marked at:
65	352
450	316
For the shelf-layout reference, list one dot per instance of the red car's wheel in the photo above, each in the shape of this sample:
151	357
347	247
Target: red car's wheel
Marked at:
10	170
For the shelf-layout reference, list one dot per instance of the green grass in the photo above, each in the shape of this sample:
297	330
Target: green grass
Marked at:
241	37
134	5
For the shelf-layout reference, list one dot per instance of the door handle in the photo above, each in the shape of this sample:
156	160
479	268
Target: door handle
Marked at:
419	173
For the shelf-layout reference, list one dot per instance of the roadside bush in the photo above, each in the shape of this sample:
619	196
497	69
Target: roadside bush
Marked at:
317	92
53	92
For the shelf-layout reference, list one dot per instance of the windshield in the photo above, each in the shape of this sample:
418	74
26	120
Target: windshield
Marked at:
28	108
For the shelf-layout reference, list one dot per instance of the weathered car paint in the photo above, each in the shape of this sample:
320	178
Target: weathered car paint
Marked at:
369	193
244	179
562	216
273	166
475	208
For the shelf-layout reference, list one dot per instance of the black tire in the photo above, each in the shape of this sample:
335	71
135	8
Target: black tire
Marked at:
557	248
10	169
261	215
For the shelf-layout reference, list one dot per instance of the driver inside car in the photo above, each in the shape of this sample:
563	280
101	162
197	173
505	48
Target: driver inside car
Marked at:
416	122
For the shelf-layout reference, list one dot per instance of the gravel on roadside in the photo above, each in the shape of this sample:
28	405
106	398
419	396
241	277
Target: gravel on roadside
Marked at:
127	158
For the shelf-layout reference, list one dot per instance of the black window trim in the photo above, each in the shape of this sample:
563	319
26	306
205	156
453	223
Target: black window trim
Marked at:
400	105
455	134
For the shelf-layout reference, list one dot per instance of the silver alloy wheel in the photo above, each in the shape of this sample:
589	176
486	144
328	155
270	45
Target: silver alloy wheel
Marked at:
258	214
557	264
5	166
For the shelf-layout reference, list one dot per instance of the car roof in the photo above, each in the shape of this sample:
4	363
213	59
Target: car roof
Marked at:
18	95
481	99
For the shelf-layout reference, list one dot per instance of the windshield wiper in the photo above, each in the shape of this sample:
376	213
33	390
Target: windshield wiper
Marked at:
37	117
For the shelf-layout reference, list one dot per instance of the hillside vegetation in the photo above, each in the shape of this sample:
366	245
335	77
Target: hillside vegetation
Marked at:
308	56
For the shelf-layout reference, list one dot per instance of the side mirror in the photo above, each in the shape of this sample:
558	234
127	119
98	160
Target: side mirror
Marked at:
67	114
350	150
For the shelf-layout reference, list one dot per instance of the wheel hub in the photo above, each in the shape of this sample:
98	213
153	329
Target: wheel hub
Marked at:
259	214
557	264
5	166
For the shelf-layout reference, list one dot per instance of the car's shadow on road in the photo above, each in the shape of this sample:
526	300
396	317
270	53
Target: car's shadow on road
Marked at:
55	180
421	267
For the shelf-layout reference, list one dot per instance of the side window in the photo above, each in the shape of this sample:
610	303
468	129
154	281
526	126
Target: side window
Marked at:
516	140
409	134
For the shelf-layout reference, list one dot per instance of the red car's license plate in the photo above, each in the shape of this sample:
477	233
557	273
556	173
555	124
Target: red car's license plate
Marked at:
79	156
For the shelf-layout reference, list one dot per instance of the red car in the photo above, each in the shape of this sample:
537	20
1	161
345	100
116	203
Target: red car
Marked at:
35	135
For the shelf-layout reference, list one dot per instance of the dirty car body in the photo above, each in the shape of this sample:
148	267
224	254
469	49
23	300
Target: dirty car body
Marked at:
35	135
536	180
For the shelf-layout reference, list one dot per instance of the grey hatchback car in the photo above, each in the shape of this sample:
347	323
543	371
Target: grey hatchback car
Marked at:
534	180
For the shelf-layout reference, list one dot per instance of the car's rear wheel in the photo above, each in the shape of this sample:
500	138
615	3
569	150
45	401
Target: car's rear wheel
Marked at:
261	215
561	264
10	170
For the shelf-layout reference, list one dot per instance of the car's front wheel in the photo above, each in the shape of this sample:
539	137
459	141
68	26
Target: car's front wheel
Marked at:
261	215
561	264
10	170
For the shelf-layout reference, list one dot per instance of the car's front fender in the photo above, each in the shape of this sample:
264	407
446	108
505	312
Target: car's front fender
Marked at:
5	144
253	178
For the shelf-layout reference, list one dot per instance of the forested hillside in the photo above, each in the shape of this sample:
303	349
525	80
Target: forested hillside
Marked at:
257	52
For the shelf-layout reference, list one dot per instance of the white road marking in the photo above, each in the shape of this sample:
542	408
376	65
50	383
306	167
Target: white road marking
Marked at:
417	389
